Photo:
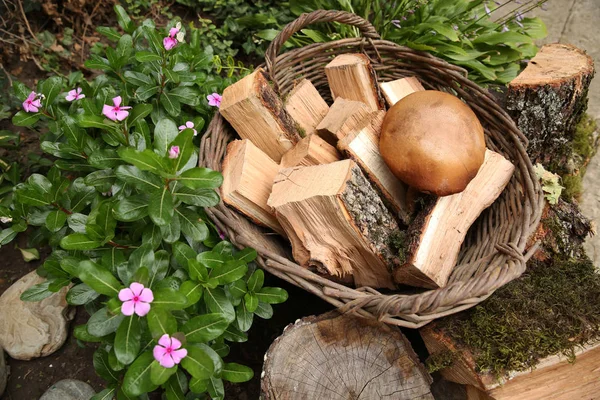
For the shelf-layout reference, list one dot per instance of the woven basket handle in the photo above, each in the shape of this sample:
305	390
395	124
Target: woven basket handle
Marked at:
306	19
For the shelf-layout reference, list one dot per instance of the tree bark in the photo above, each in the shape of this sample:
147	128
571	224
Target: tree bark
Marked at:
343	357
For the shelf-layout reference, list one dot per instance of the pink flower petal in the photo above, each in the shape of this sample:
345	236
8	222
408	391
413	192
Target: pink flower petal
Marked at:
31	96
37	103
167	361
175	343
128	308
78	90
158	352
178	355
147	295
33	107
117	101
189	124
173	32
81	96
136	288
108	112
181	127
165	340
169	43
121	115
142	308
125	294
70	97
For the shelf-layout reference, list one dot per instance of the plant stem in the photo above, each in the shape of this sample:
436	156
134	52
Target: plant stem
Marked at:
117	245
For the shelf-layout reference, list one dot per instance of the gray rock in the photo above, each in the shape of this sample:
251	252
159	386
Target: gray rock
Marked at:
3	372
69	389
33	329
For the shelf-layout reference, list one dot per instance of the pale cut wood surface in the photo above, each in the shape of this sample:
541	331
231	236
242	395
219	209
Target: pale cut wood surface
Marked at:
333	357
343	117
395	91
438	232
248	176
306	107
257	113
362	146
336	222
352	77
311	150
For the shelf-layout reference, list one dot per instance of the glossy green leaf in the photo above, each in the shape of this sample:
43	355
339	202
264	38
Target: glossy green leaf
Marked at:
192	291
183	253
81	333
184	141
104	158
137	380
164	133
169	299
138	112
106	394
229	272
81	294
201	178
79	241
98	278
243	318
198	363
171	232
217	302
50	88
160	207
204	327
146	160
100	361
101	323
160	374
272	295
147	56
216	389
197	197
131	208
236	373
23	118
191	224
251	301
161	321
197	270
37	292
171	104
127	340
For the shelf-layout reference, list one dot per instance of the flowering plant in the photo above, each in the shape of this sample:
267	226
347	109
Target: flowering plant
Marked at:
122	208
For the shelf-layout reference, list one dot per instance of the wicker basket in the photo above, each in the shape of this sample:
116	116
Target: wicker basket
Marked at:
494	252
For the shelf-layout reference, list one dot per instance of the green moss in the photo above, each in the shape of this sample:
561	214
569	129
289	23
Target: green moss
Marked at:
398	242
552	308
583	140
439	361
573	186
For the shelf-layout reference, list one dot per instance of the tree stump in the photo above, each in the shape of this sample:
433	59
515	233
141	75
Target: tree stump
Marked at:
343	357
548	99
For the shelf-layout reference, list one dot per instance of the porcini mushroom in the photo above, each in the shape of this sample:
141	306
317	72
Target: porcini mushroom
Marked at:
432	141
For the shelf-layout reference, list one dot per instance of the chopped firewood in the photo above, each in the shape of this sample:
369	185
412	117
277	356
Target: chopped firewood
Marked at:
437	232
336	222
248	175
343	116
333	356
306	106
395	91
257	113
362	146
352	77
312	150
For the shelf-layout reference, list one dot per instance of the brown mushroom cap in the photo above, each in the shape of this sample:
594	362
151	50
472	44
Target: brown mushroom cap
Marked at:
433	141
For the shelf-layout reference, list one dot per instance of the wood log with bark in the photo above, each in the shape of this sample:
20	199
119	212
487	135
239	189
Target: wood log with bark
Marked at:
394	91
352	77
548	99
311	150
435	236
248	175
257	113
343	357
306	107
362	146
336	222
343	116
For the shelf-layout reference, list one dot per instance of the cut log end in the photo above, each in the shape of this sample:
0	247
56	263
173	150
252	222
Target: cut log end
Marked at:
395	91
312	150
344	116
343	357
306	107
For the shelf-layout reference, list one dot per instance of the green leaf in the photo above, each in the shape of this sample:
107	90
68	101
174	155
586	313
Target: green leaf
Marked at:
186	148
256	280
101	323
169	299
30	254
97	62
109	33
102	367
153	236
37	292
138	113
31	197
147	56
143	256
145	92
56	220
79	241
217	302
124	48
272	295
192	225
186	95
171	232
160	207
251	301
204	328
104	158
138	379
534	28
233	334
146	160
51	88
123	19
127	340
81	294
244	317
164	133
192	291
197	270
199	386
183	253
74	134
197	178
171	104
229	272
198	363
197	197
508	37
238	289
81	333
160	374
23	118
98	278
142	180
106	394
159	269
131	208
174	391
216	389
161	321
236	373
139	79
211	259
247	255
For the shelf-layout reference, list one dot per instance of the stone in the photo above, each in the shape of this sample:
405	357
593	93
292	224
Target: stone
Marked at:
33	329
3	372
69	389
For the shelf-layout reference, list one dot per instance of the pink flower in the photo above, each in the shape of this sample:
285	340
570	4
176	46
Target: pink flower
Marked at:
136	299
75	94
188	125
175	36
174	152
116	112
32	103
168	352
214	99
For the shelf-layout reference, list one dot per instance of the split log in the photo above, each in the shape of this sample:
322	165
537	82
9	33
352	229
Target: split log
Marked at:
343	117
362	146
256	113
437	232
395	91
340	357
306	107
548	99
352	77
312	150
248	176
336	222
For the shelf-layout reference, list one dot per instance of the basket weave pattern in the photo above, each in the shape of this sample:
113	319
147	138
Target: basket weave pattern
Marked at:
494	252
